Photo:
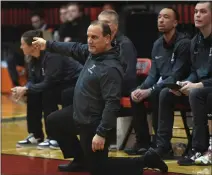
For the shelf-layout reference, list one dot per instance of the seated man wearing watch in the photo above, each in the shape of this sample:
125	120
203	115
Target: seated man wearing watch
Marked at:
170	58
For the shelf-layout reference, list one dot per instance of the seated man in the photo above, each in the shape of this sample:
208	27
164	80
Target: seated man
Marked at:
170	56
128	52
49	75
195	90
96	104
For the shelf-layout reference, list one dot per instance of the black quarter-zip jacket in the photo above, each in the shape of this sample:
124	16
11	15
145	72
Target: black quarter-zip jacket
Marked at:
50	70
170	63
128	55
97	92
201	60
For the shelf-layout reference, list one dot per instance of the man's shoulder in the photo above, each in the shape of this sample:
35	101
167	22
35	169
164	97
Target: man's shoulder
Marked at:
194	39
182	38
123	39
158	42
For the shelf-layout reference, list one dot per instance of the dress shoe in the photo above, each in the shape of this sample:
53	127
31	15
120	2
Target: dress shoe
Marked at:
72	167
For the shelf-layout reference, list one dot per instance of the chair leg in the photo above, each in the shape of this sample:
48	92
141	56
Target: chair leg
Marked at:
127	136
187	130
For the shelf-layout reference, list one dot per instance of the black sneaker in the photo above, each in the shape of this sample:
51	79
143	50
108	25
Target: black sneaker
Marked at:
29	141
169	155
190	159
136	149
153	160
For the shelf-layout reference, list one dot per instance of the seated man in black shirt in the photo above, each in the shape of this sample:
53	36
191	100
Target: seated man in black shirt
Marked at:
170	58
128	53
198	85
49	75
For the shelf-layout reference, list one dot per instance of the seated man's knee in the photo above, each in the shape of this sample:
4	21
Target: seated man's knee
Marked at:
165	94
193	94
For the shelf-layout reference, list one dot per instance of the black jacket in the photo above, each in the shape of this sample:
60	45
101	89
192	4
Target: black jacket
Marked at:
128	55
201	60
98	90
51	70
169	62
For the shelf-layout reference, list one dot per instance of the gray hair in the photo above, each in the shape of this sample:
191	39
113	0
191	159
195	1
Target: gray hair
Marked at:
111	13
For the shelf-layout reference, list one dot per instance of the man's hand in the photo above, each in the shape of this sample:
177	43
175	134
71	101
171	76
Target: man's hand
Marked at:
39	43
140	94
189	86
133	95
18	92
98	143
182	83
67	39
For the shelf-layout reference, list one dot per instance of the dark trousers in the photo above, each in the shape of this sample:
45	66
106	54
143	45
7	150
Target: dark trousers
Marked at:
140	123
62	127
46	102
197	99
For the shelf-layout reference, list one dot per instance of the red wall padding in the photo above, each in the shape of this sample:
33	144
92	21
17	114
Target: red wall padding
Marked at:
22	16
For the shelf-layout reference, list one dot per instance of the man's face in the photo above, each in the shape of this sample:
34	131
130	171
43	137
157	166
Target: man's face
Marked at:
97	43
63	15
166	20
36	22
27	49
109	19
73	12
202	15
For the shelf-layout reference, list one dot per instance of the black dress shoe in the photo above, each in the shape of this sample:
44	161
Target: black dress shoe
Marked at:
137	149
153	160
72	167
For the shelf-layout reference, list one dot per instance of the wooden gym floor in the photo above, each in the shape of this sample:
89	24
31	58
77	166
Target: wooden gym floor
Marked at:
30	161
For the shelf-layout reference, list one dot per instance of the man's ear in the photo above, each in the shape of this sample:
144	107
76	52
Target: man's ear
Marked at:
175	23
116	28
